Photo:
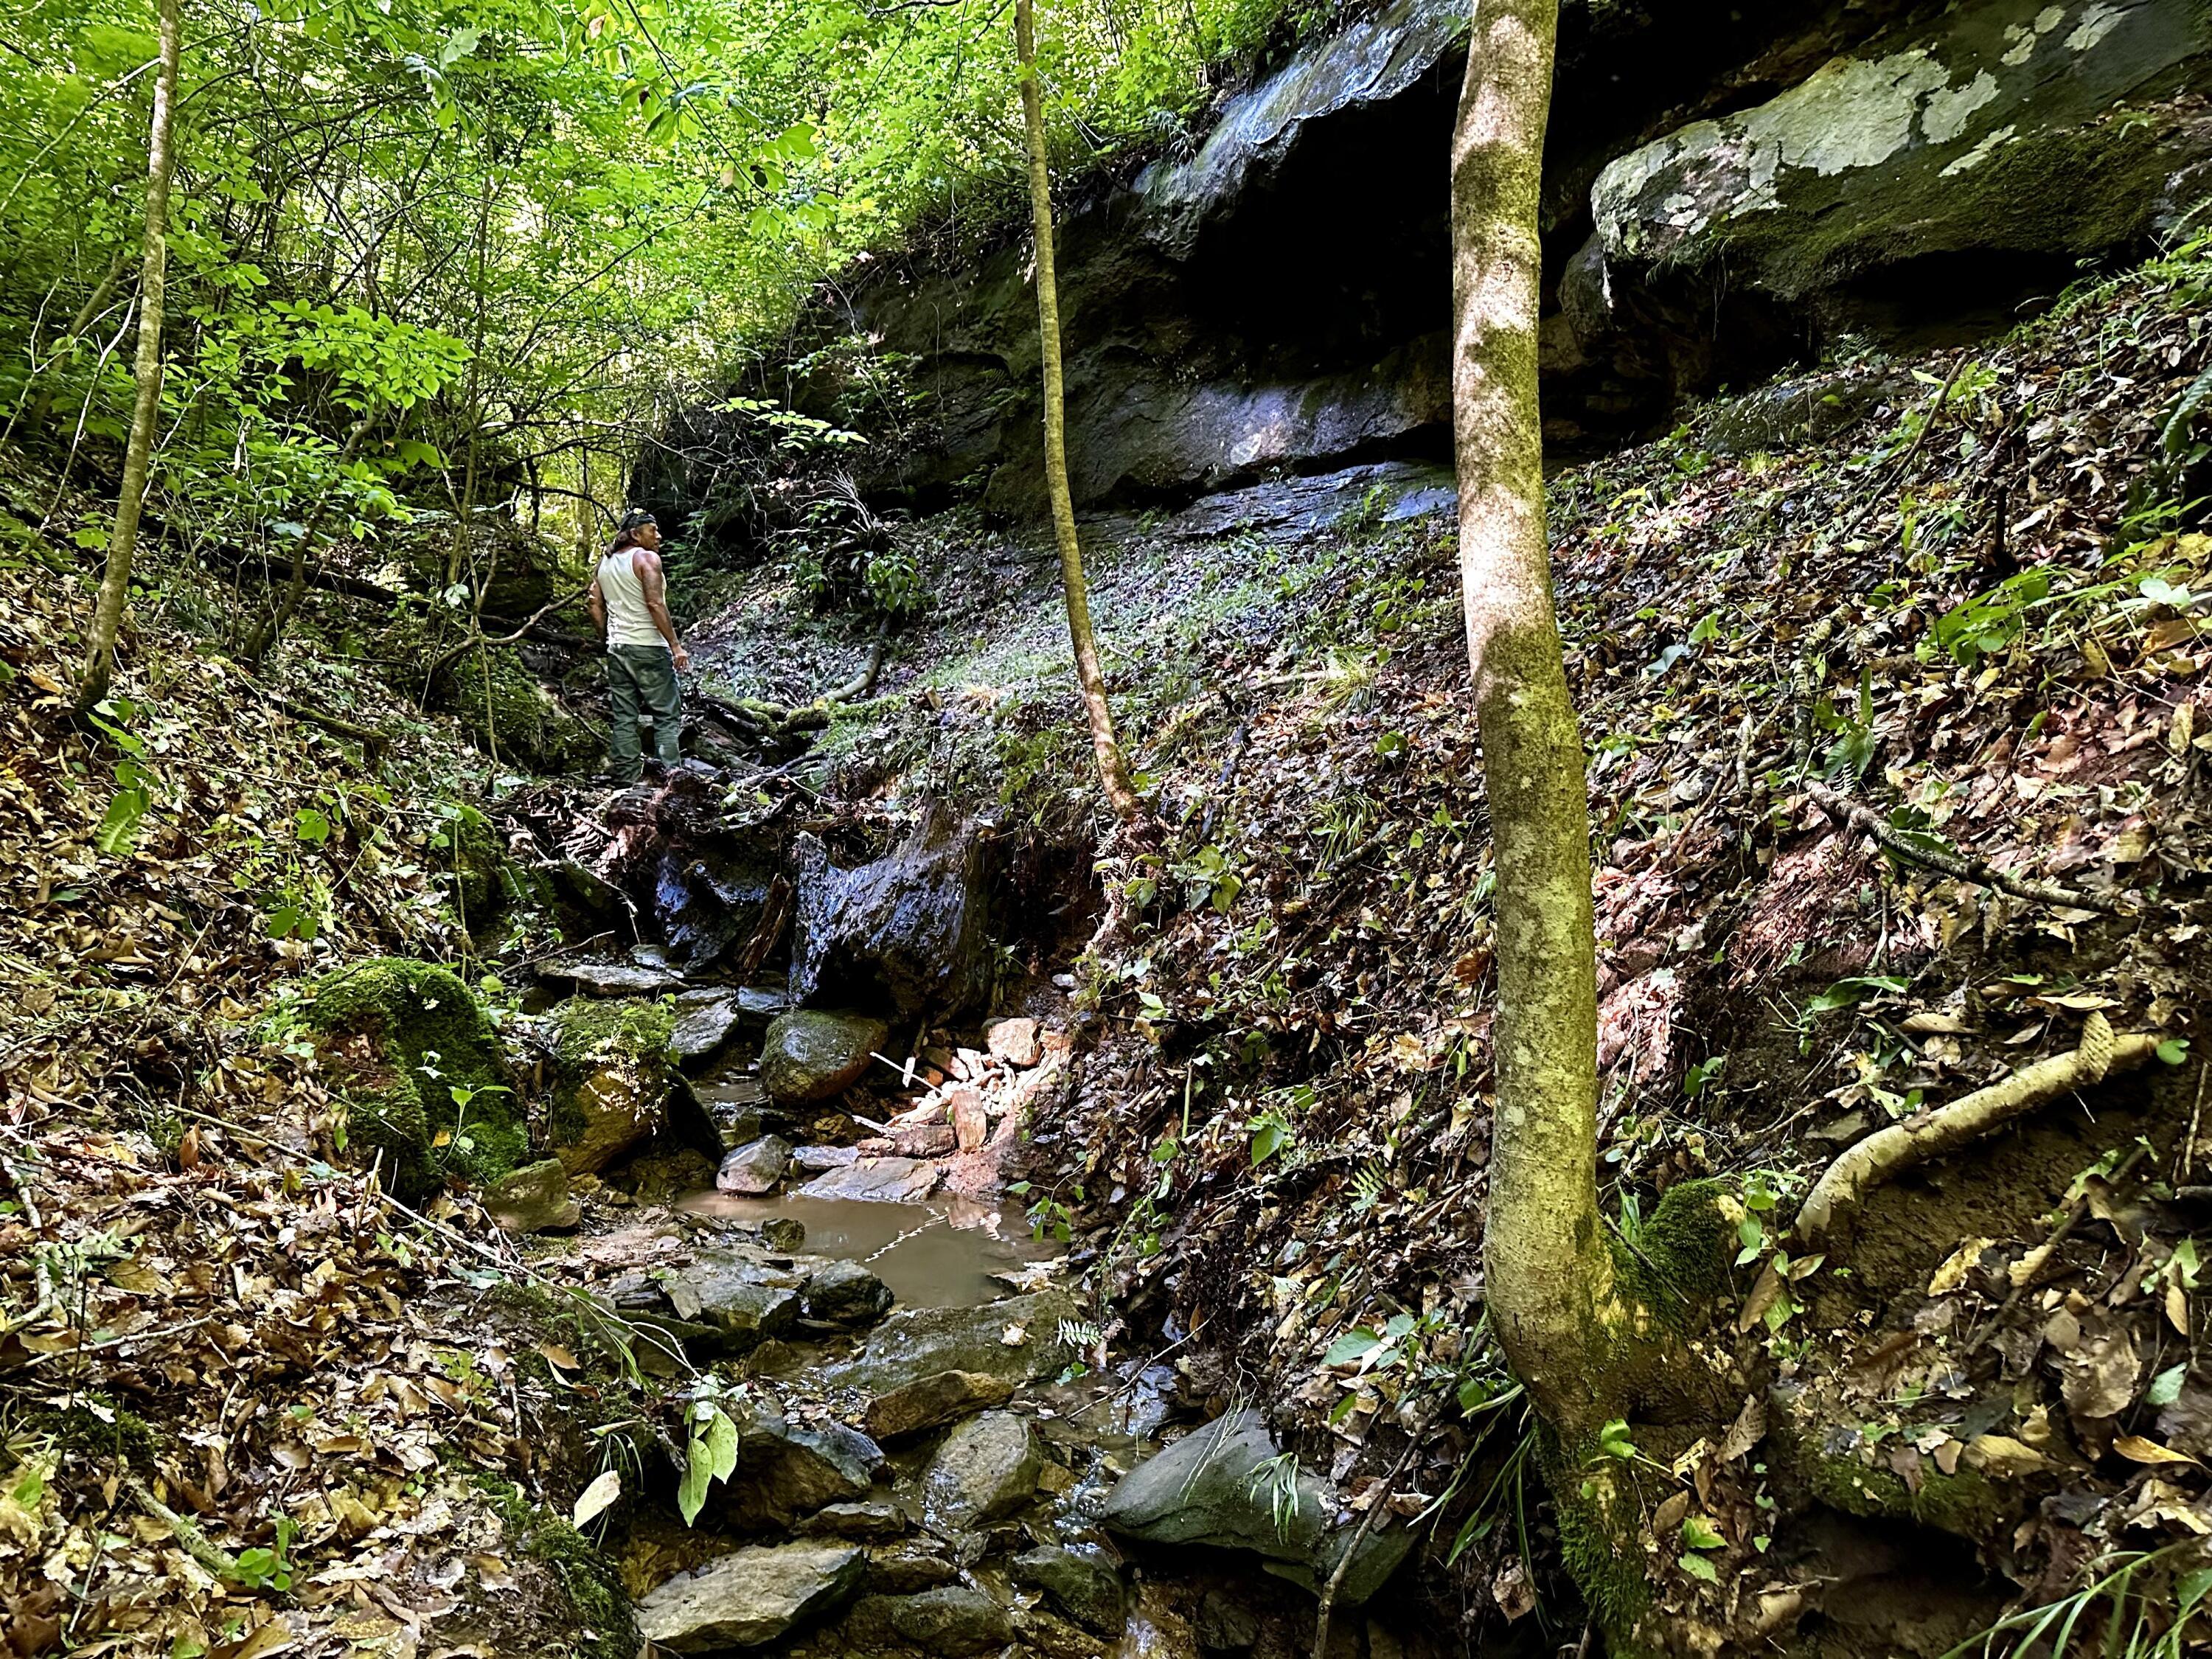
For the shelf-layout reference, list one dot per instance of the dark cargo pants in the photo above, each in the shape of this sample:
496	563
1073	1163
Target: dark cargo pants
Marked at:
642	677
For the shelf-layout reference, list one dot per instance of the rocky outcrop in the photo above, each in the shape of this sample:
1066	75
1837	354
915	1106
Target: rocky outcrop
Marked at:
815	1054
611	1080
906	934
708	887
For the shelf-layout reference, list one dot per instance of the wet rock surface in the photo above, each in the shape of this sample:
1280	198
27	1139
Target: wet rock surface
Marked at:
811	1055
1083	1584
847	1293
877	1180
756	1167
1016	1341
933	1401
907	932
953	1619
986	1469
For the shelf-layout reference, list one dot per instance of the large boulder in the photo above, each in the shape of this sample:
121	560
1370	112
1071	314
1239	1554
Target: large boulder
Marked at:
749	1597
612	1080
1970	134
710	887
811	1054
907	933
426	1091
986	1469
785	1473
1018	1340
1225	1486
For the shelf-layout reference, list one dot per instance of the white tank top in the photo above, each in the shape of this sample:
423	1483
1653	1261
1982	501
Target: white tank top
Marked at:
628	623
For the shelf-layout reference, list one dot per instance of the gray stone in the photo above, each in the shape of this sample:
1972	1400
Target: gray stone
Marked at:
865	1519
847	1293
952	1620
919	1342
646	974
1085	1583
703	1023
812	1055
755	1168
902	1569
877	1180
534	1199
986	1469
742	1297
785	1473
783	1232
749	1597
933	1401
1222	1485
817	1159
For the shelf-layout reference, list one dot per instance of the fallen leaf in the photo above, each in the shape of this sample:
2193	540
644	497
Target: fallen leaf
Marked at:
595	1497
2137	1449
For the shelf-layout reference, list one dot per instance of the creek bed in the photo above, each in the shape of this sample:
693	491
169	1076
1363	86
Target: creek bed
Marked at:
941	1254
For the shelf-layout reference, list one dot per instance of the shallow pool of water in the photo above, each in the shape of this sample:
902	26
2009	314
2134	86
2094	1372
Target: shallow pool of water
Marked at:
937	1255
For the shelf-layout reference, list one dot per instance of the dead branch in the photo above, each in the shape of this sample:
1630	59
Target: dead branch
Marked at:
1856	815
1928	1134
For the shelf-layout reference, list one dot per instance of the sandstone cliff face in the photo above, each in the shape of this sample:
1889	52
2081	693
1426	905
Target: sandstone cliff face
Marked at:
1726	194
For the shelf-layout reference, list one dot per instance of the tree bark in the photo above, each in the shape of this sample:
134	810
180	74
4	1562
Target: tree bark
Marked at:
146	409
1547	1267
1113	766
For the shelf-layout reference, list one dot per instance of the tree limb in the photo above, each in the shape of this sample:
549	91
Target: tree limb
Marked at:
1930	1134
1856	815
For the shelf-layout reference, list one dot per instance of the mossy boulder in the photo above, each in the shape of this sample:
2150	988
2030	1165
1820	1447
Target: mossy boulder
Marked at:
409	1050
509	712
613	1080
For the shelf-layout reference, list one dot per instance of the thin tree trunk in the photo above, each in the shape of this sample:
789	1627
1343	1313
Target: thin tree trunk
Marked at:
1113	766
265	634
146	409
1547	1267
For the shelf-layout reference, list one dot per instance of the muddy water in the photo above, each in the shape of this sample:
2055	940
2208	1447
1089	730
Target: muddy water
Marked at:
940	1255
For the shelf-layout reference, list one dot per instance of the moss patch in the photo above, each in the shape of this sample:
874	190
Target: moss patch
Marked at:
610	1058
399	1039
606	1628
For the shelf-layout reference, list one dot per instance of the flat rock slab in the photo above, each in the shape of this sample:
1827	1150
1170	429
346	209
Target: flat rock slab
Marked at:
877	1180
986	1469
746	1299
933	1401
610	976
749	1597
815	1160
756	1167
1017	1339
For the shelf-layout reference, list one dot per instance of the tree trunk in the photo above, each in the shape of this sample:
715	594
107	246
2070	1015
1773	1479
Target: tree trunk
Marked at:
146	409
1546	1262
1587	1330
1113	767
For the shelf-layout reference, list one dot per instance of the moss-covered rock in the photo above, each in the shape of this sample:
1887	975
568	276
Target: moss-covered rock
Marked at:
418	1066
507	709
606	1628
613	1079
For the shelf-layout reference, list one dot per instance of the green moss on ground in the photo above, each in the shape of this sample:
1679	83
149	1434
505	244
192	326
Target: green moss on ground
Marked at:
506	709
1965	1504
606	1627
399	1039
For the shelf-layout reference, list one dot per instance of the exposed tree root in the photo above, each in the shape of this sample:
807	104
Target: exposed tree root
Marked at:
1882	1156
1856	815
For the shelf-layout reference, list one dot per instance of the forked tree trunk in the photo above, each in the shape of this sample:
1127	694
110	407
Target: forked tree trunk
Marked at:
1113	766
146	409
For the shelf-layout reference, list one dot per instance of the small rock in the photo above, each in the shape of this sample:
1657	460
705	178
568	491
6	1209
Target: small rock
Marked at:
610	1112
534	1199
755	1168
973	1063
817	1159
933	1400
919	1139
1086	1586
918	1342
862	1520
1015	1041
703	1023
748	1597
952	1620
601	977
847	1293
986	1469
878	1180
1226	1627
783	1232
811	1055
743	1298
971	1124
902	1569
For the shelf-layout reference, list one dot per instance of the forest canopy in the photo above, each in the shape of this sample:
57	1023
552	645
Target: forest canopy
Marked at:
506	238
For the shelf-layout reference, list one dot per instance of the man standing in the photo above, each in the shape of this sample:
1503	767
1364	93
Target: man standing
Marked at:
629	606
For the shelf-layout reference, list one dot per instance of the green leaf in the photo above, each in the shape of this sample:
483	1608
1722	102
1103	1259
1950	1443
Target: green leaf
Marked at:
691	1492
118	827
721	1440
2173	1050
312	826
1613	1440
1698	1533
1698	1567
2165	1387
1350	1346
